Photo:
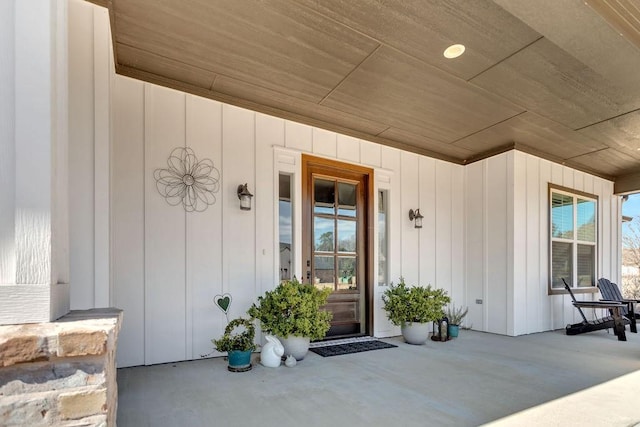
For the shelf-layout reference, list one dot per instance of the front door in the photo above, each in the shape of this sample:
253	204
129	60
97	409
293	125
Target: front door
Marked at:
336	237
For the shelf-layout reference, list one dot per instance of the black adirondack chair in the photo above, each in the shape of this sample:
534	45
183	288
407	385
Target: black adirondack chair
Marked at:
611	292
596	324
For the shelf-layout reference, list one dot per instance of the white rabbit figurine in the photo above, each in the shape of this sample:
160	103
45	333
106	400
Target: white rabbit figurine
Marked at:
271	352
290	362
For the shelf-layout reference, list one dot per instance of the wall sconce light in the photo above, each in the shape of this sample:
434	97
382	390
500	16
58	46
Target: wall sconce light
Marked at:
417	216
245	197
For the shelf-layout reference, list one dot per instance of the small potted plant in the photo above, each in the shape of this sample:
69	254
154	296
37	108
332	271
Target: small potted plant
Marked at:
455	316
292	312
413	308
237	341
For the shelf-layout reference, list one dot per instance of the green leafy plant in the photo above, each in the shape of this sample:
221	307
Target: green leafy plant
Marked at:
456	315
407	304
293	308
237	340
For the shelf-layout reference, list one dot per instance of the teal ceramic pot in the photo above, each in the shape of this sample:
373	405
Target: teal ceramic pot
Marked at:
453	331
239	359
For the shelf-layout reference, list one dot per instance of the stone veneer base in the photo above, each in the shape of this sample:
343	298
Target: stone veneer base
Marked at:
62	372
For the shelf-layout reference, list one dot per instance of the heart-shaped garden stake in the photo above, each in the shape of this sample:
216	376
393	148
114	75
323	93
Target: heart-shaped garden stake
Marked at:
223	302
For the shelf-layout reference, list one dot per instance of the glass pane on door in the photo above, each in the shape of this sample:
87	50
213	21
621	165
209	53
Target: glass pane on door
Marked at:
347	279
323	196
347	199
324	272
323	232
346	235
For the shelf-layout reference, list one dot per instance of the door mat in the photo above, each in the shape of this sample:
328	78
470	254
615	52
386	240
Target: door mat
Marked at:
336	341
353	347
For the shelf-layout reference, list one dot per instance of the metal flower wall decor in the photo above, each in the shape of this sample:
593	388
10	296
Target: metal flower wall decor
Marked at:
188	181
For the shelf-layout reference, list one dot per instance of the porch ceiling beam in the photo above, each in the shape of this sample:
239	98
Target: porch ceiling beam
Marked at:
627	184
103	3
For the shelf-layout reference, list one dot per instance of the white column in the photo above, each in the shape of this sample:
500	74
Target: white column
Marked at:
34	219
7	143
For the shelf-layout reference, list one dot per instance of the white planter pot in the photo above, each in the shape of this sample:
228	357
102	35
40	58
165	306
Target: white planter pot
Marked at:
295	345
416	333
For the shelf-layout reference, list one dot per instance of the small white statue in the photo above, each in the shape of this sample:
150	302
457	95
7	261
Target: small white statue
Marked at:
291	361
271	354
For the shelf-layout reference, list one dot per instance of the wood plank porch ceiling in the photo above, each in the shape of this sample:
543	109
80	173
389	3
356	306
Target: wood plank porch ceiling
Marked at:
558	79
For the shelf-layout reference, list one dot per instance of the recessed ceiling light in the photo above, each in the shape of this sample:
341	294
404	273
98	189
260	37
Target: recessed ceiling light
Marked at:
454	51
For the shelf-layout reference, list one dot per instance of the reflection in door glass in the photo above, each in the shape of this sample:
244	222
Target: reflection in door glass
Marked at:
347	279
285	226
323	197
346	235
347	199
324	272
382	238
323	232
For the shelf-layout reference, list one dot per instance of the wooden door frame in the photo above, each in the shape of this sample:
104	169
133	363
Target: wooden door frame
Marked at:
334	167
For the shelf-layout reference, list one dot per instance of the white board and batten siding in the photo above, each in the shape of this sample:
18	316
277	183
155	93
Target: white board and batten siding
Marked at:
507	242
103	218
90	109
127	218
165	239
484	234
168	265
486	249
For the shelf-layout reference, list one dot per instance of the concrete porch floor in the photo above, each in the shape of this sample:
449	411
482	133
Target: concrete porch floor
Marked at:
540	379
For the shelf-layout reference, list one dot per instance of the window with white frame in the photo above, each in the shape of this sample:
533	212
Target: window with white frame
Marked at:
573	238
383	233
285	226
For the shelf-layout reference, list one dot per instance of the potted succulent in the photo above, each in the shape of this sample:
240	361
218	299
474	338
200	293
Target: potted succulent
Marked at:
292	312
455	316
237	341
413	308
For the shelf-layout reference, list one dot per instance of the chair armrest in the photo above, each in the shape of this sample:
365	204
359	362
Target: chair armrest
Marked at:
598	304
624	300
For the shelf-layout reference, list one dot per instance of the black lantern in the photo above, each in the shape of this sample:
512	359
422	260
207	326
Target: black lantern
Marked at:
416	216
245	197
440	330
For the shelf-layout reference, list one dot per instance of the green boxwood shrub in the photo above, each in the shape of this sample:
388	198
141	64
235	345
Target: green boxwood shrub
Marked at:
408	304
293	308
240	339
